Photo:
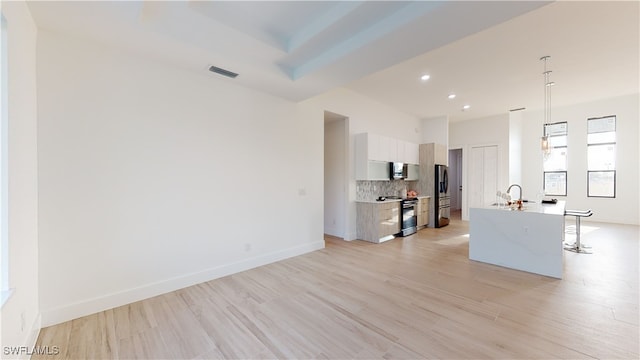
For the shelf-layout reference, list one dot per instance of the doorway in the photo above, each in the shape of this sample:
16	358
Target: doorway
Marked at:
335	174
455	182
455	178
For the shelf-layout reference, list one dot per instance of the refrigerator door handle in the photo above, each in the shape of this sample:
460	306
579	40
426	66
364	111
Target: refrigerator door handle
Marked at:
445	181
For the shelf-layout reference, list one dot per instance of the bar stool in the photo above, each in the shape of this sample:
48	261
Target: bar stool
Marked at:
577	246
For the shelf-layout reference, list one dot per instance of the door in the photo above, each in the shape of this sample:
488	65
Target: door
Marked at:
483	175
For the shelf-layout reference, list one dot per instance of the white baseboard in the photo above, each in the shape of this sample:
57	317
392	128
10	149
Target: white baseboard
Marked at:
329	230
31	339
351	236
91	306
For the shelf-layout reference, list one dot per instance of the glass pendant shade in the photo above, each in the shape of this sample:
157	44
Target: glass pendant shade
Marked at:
544	145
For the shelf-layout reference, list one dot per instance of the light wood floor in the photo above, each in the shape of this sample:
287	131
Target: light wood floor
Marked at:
413	297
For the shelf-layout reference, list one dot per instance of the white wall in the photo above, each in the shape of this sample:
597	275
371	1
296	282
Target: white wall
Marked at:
515	147
153	178
435	130
622	209
504	130
493	130
335	162
365	115
20	316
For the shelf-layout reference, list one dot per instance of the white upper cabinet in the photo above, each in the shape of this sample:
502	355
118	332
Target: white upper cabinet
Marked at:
384	148
392	149
401	146
411	152
408	152
372	147
379	148
369	158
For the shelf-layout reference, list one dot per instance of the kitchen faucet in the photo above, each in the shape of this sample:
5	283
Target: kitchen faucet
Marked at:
519	187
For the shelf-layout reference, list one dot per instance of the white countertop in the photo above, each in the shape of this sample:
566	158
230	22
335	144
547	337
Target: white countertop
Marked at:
378	202
529	207
374	201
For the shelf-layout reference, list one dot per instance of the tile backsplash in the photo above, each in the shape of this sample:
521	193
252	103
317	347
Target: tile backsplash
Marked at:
370	190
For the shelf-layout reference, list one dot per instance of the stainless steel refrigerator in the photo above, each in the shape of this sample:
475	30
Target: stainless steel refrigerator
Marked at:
442	200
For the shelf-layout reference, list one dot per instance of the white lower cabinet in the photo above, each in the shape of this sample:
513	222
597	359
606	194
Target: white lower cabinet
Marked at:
377	221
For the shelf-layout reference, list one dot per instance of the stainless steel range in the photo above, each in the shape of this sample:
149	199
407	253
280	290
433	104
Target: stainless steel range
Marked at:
409	217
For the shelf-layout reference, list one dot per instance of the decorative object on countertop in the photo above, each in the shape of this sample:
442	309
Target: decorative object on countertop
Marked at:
412	193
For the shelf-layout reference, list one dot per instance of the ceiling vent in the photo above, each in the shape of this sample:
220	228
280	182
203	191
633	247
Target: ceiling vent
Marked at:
223	72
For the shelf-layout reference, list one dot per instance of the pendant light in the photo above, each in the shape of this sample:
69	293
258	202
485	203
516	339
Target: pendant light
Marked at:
544	141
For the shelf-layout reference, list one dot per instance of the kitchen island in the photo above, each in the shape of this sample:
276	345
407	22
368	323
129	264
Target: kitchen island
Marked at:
529	239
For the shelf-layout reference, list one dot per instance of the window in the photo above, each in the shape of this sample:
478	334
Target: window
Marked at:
555	163
601	157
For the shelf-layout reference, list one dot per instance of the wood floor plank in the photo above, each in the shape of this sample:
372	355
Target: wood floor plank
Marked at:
408	298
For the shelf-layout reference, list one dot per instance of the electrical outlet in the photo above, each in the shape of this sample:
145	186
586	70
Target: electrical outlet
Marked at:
302	191
247	247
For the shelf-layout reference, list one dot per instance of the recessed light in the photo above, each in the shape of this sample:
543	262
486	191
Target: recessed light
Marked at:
452	96
425	77
466	107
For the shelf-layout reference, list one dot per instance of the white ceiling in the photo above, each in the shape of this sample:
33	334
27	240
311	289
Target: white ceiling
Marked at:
485	52
594	49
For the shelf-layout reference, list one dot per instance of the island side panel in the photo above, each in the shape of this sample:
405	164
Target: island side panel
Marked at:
518	240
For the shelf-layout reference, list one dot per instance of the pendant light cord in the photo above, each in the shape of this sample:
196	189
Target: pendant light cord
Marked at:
546	148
